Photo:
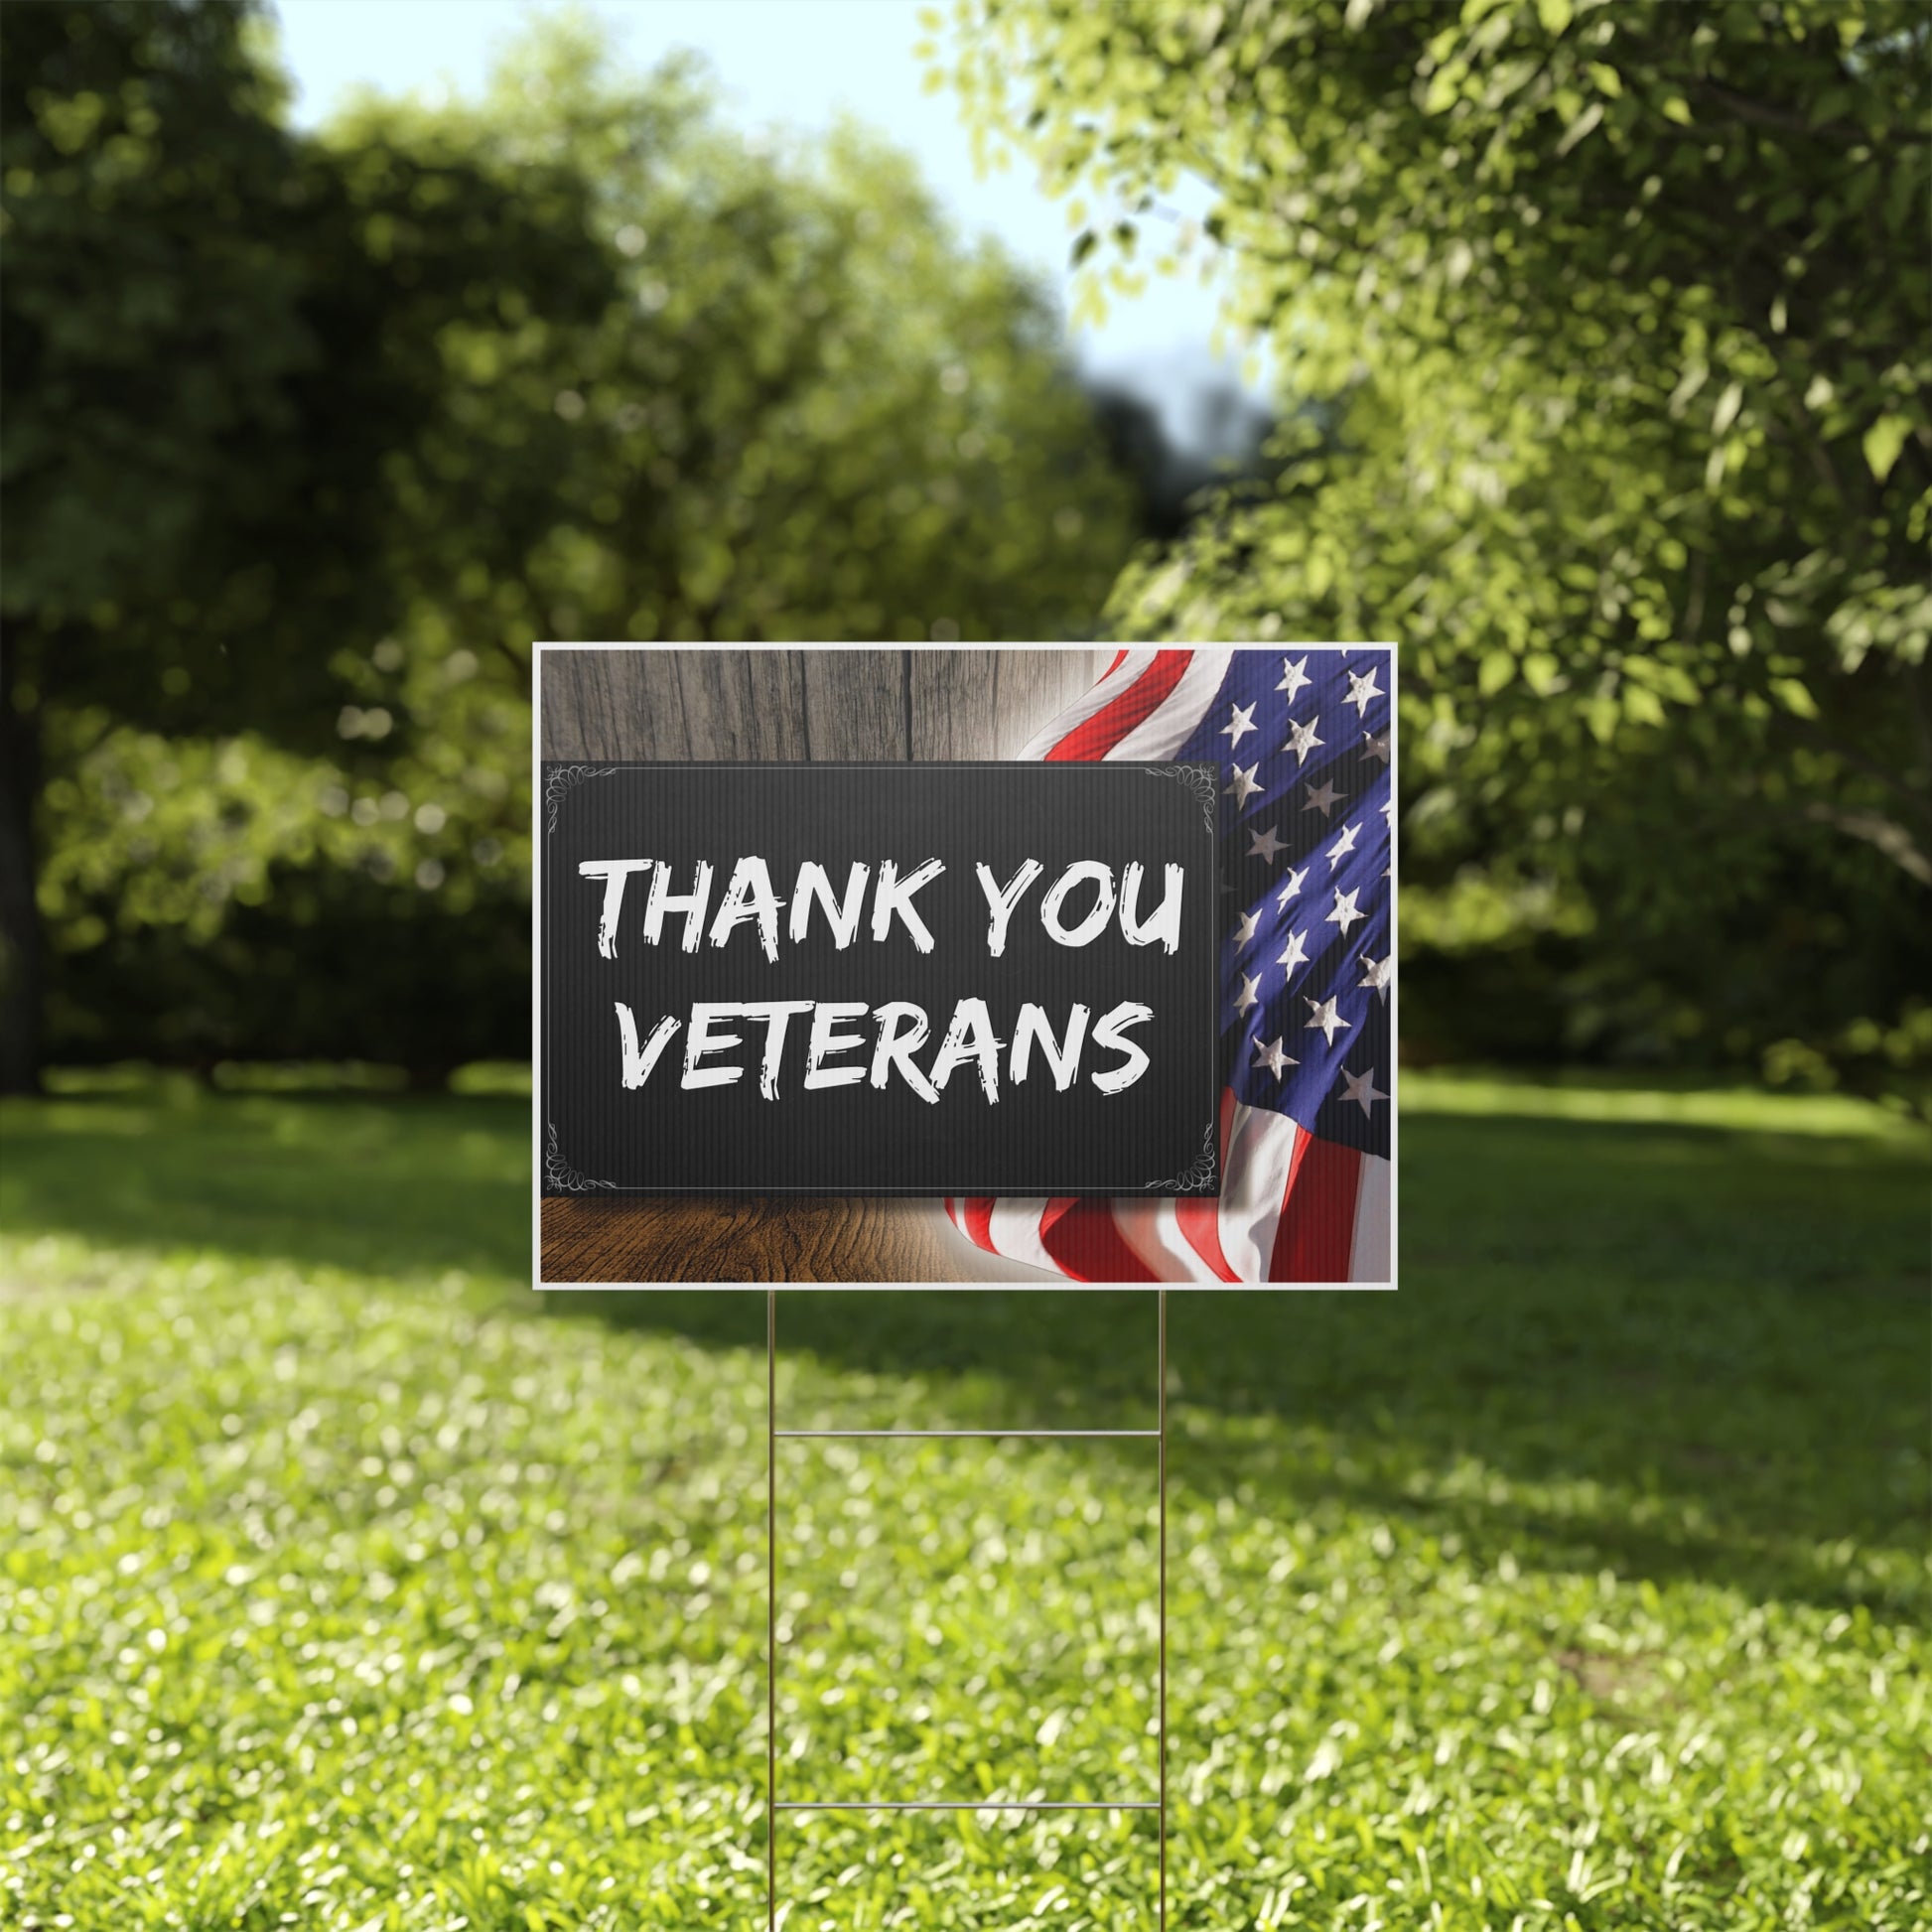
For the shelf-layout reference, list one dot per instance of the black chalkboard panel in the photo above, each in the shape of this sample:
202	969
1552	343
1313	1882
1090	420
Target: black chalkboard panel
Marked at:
668	891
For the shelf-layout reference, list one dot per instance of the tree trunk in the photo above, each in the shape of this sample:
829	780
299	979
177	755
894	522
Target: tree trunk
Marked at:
21	945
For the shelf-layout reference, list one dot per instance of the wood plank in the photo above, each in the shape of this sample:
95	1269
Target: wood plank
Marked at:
738	704
610	704
673	703
810	704
986	704
562	703
854	704
798	1239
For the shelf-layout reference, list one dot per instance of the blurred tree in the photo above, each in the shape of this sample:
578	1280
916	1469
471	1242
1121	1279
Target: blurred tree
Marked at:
1177	478
806	412
812	414
1624	317
217	337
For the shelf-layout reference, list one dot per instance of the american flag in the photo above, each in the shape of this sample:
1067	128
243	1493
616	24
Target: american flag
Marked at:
1302	739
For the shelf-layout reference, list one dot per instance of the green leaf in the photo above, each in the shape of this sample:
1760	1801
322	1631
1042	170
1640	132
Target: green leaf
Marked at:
1882	443
1581	127
1796	699
1642	704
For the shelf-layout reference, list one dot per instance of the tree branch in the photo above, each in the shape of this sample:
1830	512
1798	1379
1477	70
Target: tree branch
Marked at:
1892	839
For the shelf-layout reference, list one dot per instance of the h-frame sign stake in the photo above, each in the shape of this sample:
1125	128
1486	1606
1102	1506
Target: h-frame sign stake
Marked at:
774	1435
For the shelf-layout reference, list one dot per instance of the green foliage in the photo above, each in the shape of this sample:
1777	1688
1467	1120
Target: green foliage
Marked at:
1620	325
227	899
1583	1584
609	371
222	343
218	339
812	414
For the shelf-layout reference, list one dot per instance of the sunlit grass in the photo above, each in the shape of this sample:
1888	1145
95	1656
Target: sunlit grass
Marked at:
1643	1102
1581	1583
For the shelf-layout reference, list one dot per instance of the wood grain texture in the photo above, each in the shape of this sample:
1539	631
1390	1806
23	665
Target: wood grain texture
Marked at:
855	703
676	703
758	1240
787	706
986	704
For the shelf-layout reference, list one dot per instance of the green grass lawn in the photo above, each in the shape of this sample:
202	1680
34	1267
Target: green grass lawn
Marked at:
1584	1583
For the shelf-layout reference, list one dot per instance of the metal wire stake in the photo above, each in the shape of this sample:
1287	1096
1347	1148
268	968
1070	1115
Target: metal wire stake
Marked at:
1164	1609
770	1610
773	1434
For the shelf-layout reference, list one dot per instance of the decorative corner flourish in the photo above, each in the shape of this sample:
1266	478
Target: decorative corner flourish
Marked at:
558	1173
1199	1174
1199	782
564	779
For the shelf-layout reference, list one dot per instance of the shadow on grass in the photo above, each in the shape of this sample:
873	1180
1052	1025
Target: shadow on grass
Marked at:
1666	1350
396	1186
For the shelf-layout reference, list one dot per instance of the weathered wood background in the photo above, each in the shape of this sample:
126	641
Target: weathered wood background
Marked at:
791	706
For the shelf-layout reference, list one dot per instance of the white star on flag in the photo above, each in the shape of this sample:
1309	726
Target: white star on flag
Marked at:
1294	953
1265	845
1380	973
1322	1014
1239	723
1293	889
1346	913
1250	993
1378	744
1294	676
1344	844
1301	741
1246	931
1322	798
1244	785
1273	1058
1361	690
1361	1089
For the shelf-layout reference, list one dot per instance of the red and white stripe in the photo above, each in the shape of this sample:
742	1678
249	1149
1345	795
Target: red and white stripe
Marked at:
1293	1207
